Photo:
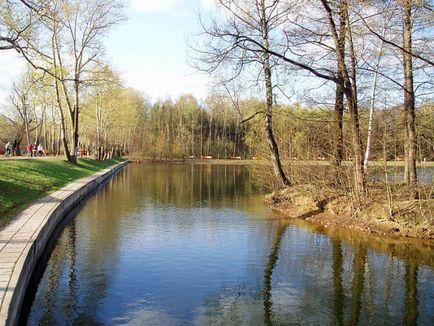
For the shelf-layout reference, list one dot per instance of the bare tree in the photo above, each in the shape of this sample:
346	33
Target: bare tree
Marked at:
20	101
77	44
20	118
338	150
350	88
69	42
409	97
228	49
410	39
372	107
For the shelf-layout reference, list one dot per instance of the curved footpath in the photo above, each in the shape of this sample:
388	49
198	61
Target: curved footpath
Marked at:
24	240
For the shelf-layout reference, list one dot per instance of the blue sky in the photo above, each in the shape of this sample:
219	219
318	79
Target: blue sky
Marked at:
149	49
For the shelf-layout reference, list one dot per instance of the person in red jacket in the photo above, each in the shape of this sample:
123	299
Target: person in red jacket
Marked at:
30	150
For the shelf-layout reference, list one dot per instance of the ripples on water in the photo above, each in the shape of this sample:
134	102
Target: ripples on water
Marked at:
194	244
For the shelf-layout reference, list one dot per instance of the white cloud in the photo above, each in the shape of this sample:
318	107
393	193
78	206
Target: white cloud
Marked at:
146	316
153	5
160	78
208	4
11	68
167	5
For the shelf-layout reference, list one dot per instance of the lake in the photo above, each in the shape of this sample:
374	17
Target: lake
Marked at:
185	244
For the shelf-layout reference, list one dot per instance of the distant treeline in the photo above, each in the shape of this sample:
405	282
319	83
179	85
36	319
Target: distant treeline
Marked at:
115	117
185	128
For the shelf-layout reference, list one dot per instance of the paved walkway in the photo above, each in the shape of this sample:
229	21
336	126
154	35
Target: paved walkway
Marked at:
23	241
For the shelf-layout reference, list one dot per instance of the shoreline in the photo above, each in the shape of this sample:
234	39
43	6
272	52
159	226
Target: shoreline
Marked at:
346	221
327	219
24	181
143	160
191	161
23	241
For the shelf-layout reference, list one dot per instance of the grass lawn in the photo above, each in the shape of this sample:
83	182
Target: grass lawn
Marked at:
24	181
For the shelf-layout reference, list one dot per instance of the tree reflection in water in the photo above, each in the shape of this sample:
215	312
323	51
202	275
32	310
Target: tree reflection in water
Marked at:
71	304
268	272
358	282
352	297
195	245
338	269
411	301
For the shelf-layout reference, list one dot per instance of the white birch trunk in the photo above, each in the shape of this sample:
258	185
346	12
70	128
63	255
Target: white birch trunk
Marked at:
371	110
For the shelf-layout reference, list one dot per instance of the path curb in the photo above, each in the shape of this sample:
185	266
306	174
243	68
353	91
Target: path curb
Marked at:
23	241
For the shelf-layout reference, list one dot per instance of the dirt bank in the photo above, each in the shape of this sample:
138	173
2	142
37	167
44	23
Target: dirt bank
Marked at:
405	218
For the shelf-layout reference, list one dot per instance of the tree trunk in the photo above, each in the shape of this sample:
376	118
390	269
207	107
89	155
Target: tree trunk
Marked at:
406	174
277	164
75	139
371	110
55	52
44	119
409	102
16	146
338	155
192	136
26	122
53	139
62	123
350	89
338	152
64	139
359	175
210	132
98	132
59	140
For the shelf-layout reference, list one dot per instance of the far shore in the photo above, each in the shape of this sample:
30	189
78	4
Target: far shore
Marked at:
262	161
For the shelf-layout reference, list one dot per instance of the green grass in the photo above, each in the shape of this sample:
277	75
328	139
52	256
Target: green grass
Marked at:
22	182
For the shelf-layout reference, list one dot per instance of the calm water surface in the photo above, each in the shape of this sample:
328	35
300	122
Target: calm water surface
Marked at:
195	245
425	174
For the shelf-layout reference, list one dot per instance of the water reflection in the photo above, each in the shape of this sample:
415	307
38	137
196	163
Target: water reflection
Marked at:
411	304
358	282
187	244
268	271
359	292
338	295
71	304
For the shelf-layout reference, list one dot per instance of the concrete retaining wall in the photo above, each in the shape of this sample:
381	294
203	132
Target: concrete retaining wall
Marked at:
24	240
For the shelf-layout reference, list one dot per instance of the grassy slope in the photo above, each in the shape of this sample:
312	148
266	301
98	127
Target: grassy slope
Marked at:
24	181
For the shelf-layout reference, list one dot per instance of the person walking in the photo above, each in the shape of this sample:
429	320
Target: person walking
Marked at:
41	150
8	149
30	150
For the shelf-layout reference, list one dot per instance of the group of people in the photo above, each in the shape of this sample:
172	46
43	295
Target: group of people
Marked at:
33	150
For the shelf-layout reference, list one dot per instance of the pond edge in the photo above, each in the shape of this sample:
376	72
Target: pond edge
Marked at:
23	241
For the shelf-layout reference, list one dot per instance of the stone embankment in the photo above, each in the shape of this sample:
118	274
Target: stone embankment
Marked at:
23	242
